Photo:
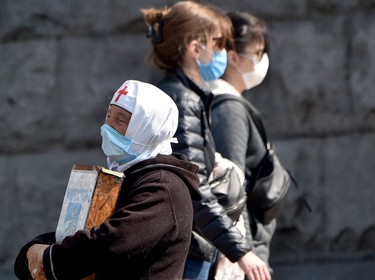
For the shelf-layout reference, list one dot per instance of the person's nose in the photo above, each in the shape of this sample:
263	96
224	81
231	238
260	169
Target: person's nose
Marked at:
110	122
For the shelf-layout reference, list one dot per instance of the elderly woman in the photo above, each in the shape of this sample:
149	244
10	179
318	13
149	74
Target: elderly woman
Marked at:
148	235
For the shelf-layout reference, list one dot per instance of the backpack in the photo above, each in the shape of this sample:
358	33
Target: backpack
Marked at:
227	184
271	180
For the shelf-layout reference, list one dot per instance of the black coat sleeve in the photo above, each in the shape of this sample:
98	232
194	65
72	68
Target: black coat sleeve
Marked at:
21	268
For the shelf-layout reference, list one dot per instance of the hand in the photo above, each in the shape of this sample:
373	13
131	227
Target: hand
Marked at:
35	261
254	267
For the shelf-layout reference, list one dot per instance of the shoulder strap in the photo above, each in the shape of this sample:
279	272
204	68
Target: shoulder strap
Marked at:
254	113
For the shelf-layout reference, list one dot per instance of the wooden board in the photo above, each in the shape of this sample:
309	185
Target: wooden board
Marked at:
90	198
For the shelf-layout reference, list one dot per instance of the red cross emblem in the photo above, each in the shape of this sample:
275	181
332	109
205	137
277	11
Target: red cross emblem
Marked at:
121	92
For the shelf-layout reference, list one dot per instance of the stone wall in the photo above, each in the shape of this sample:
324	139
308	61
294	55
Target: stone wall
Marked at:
61	61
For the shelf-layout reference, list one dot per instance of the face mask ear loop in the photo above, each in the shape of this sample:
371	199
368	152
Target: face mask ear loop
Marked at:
238	68
203	47
253	59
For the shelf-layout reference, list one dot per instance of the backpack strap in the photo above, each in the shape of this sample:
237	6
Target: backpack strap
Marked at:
254	113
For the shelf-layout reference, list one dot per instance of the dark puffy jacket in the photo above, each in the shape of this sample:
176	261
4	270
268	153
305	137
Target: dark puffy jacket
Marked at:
211	224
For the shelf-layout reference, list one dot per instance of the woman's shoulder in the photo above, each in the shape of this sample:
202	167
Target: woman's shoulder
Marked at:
183	95
229	102
175	85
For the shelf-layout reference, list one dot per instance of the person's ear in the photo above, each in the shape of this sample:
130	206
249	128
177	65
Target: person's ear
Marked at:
233	57
194	49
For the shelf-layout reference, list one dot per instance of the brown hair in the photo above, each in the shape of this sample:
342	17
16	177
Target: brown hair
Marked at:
172	29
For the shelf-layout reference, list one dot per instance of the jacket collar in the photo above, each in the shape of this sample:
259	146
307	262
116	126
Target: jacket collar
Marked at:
204	93
221	86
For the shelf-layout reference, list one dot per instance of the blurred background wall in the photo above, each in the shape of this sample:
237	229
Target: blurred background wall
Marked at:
61	61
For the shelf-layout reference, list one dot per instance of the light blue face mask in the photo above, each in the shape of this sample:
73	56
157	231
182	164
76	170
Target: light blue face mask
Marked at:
216	67
115	145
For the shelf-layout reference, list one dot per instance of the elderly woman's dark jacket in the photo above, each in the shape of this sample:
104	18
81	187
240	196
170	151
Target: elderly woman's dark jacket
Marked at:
146	238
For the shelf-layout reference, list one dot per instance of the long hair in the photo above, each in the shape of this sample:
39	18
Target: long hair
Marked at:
171	29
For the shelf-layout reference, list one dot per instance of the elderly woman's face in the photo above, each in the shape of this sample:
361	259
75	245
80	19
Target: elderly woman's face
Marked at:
118	118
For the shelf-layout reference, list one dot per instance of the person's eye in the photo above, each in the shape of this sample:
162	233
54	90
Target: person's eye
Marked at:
120	120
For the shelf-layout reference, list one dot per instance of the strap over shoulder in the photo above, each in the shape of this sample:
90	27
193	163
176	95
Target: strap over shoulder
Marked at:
254	113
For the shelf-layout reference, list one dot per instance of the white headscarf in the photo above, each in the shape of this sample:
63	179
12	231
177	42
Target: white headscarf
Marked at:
153	122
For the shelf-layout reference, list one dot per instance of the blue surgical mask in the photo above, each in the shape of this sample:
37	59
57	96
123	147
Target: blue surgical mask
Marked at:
115	145
216	67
